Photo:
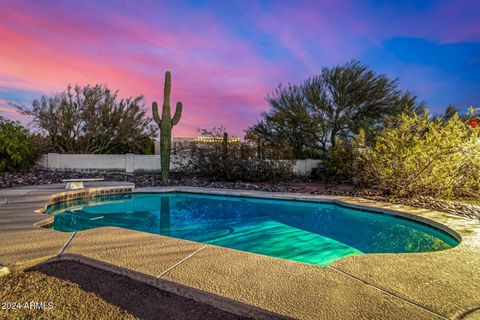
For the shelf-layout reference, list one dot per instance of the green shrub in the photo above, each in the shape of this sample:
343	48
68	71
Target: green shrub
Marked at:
419	155
339	163
15	146
261	170
225	161
210	163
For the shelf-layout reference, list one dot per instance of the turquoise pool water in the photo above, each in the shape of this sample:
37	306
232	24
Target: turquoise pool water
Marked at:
313	233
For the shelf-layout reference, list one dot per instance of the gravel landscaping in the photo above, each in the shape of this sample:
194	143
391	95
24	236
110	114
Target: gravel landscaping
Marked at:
8	180
464	209
36	177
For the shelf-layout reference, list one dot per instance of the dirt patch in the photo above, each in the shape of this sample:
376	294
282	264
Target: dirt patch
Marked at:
71	290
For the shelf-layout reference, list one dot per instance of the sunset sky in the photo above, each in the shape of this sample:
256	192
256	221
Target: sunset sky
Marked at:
225	56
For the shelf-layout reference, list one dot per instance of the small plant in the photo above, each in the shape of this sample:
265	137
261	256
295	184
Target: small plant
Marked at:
166	124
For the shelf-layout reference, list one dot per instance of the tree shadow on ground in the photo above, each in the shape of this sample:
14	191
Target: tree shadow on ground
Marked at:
138	299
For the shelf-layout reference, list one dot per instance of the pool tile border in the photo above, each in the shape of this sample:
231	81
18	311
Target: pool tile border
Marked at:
87	193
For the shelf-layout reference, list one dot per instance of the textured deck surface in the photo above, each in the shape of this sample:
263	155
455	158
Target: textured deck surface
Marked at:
437	285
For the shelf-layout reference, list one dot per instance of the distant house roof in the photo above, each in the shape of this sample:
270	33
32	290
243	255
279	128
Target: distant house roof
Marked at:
210	139
474	122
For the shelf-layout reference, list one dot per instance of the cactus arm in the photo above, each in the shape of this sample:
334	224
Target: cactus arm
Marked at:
156	117
178	113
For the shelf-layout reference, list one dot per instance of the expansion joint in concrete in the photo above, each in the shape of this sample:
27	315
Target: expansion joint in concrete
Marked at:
388	292
65	246
462	315
181	261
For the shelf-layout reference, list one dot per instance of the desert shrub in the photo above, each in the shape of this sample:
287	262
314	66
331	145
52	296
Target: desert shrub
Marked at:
16	149
339	163
226	161
422	155
260	170
468	178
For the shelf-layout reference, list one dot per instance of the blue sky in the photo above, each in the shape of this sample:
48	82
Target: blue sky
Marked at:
226	56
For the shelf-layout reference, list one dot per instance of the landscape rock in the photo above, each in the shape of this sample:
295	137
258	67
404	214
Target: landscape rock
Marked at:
9	180
37	177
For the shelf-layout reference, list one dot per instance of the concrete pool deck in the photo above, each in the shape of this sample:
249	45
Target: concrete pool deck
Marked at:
435	285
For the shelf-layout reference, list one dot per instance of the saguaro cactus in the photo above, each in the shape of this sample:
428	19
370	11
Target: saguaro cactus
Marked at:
166	124
225	146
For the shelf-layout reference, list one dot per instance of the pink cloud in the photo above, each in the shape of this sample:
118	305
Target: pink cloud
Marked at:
131	55
317	32
221	76
11	113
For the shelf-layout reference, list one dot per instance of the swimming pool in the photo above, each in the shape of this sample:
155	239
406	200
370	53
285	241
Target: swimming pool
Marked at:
316	233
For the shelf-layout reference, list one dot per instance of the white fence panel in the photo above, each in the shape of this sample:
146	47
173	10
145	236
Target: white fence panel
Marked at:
131	162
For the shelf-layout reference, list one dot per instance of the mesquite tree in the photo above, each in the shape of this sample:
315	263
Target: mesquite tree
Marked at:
337	103
92	119
166	124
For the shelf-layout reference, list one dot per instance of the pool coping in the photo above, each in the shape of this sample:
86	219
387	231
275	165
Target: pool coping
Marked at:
172	279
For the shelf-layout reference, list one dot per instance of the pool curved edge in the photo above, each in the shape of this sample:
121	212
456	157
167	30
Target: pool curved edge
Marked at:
441	221
344	201
399	211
